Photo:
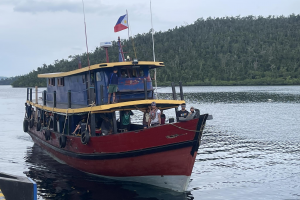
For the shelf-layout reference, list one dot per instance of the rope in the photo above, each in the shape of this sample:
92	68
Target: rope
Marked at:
87	121
65	121
188	129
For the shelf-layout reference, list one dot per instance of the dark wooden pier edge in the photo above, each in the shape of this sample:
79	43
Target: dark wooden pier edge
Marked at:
17	187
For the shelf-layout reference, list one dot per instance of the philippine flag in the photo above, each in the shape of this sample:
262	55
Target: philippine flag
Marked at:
122	23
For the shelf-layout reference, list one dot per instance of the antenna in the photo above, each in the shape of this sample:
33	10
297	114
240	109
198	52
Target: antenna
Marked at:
152	30
87	48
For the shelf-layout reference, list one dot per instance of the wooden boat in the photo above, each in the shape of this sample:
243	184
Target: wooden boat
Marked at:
162	155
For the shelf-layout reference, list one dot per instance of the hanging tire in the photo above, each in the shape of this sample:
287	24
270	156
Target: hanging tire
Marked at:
38	126
31	123
47	135
85	137
62	141
25	125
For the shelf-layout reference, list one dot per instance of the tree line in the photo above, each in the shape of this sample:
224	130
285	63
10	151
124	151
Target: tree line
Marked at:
251	50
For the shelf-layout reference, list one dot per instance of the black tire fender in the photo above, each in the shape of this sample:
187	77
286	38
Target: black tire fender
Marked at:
25	125
38	126
85	137
31	123
47	135
62	141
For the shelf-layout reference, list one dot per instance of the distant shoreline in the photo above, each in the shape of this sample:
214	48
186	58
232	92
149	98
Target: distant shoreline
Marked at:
219	83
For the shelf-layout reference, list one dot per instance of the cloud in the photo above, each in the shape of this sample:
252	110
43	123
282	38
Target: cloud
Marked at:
37	6
73	6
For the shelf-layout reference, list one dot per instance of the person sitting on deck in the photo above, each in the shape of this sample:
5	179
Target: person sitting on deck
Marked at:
183	112
125	120
83	125
112	85
192	113
154	119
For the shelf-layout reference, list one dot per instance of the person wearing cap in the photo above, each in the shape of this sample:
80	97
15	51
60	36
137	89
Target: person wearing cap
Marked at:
183	112
192	113
154	115
112	85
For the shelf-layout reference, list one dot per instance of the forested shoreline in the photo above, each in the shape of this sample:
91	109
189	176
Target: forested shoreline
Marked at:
222	51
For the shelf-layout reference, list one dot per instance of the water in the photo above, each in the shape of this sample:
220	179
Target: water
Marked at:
250	150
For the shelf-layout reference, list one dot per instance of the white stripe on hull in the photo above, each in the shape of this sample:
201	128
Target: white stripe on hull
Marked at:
177	183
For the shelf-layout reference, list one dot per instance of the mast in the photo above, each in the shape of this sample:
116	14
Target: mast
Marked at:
86	43
152	30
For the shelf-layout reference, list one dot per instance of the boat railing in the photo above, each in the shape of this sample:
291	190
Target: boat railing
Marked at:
121	96
73	101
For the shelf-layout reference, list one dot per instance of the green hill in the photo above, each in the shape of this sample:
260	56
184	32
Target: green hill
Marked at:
8	81
223	51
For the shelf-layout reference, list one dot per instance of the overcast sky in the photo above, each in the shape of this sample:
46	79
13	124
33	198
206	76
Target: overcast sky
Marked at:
34	32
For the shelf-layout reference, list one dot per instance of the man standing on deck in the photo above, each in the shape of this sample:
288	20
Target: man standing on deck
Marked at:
154	115
112	85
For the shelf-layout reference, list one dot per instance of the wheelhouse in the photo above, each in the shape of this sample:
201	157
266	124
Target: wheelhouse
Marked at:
89	85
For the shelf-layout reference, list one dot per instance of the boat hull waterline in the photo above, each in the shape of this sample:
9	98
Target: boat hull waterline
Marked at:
163	156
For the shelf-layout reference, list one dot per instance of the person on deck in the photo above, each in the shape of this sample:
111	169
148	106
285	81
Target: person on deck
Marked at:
192	113
125	120
146	116
112	85
183	112
32	113
154	119
123	74
83	125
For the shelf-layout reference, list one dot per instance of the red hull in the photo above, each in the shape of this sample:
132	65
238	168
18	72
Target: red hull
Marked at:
167	150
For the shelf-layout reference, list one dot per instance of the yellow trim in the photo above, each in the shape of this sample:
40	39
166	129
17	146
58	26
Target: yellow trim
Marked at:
113	107
2	195
99	66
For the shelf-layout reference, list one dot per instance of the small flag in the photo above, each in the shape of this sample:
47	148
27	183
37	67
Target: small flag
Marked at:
122	23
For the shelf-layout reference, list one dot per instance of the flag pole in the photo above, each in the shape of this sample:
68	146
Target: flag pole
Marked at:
153	52
87	48
127	23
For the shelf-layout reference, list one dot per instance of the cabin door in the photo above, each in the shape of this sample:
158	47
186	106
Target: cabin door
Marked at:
101	81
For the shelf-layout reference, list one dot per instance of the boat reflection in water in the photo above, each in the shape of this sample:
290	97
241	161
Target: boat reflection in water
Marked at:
59	181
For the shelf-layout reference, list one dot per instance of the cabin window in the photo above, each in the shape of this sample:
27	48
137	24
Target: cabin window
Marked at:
83	79
132	73
141	73
60	82
51	81
98	76
124	73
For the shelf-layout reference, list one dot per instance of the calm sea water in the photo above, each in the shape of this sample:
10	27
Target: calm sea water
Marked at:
250	150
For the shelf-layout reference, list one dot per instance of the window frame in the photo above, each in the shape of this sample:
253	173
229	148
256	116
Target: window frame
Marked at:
61	82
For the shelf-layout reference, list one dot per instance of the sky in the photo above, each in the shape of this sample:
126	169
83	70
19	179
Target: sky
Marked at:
37	32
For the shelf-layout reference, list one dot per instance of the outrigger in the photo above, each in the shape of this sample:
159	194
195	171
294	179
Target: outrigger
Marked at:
162	155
